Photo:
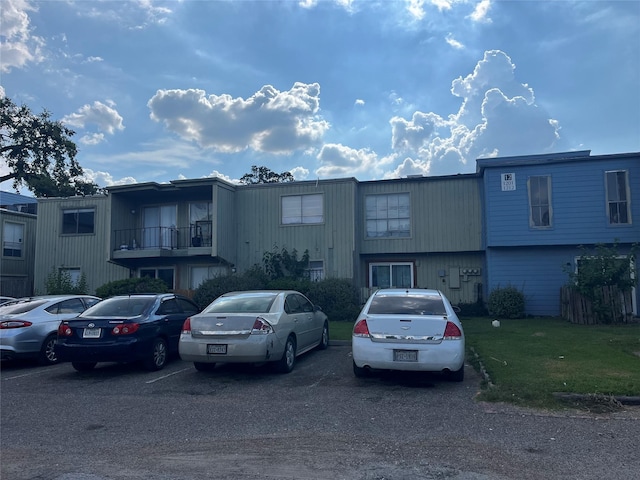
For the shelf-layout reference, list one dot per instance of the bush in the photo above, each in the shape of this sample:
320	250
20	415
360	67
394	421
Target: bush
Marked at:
507	302
475	309
338	298
132	285
59	282
211	289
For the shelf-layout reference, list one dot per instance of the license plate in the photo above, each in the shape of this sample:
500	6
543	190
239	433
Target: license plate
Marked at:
405	355
215	348
91	333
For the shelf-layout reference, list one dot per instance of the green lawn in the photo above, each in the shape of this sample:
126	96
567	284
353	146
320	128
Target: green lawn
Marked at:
529	359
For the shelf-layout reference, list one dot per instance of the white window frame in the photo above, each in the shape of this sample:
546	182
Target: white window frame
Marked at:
617	201
383	220
307	209
75	274
13	239
391	265
539	205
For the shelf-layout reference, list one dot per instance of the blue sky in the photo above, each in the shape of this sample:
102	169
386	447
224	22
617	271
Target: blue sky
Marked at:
158	91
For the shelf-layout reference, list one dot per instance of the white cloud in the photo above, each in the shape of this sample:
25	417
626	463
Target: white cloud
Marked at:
18	46
105	117
268	121
498	116
453	42
481	12
341	161
299	173
359	102
105	179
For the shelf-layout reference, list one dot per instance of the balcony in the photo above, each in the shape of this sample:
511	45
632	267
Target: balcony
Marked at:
161	242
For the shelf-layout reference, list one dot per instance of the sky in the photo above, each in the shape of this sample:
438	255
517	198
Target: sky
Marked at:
373	89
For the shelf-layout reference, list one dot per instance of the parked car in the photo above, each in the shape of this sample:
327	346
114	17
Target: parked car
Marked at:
125	328
28	326
4	300
254	327
408	329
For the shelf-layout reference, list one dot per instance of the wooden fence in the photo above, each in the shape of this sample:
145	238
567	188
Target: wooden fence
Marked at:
618	306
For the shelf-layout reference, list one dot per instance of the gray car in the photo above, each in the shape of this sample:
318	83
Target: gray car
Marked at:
254	327
28	326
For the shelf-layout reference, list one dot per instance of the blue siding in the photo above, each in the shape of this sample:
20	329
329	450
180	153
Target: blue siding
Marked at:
578	203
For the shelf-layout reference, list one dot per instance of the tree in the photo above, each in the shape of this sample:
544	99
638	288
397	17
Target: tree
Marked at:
39	153
265	175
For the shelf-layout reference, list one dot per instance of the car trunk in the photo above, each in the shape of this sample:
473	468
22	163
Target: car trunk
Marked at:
423	329
224	325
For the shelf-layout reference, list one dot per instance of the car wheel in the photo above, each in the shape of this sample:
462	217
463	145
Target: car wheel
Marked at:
288	360
324	340
458	375
83	366
204	367
47	353
359	371
158	356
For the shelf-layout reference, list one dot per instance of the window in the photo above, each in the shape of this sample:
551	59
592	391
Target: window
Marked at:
386	275
74	275
617	185
73	305
302	209
160	227
388	215
540	201
12	239
316	270
78	221
164	274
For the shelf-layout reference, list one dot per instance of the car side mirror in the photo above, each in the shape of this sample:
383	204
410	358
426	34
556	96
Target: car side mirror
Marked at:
456	308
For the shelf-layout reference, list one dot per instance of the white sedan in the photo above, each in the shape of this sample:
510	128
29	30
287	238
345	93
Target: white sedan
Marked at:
408	329
254	327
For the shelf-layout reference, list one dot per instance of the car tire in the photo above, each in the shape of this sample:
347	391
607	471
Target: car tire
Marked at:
204	367
158	356
458	375
324	340
359	372
288	360
84	366
47	354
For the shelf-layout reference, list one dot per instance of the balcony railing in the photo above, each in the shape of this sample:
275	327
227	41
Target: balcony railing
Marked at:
167	238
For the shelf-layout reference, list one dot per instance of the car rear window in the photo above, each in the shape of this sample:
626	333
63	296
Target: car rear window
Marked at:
122	307
407	305
21	307
241	304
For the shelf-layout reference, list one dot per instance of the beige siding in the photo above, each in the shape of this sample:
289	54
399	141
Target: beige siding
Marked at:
260	228
225	242
445	215
89	252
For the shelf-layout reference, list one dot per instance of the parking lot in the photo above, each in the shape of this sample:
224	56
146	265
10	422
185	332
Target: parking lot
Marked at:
318	422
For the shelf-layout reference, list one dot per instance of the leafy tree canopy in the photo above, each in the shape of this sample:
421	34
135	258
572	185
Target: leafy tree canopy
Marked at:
39	153
265	175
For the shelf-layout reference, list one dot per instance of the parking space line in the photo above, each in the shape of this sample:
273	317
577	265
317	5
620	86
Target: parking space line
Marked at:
40	372
168	375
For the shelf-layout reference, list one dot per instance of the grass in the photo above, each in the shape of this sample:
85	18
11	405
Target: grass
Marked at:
528	360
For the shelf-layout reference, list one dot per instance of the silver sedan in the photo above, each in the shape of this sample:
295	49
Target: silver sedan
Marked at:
254	327
28	326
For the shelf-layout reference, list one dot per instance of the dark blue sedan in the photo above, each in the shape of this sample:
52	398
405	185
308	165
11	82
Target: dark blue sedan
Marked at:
126	328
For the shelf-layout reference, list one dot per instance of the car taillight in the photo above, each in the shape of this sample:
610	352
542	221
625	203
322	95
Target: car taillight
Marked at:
186	326
361	329
64	330
14	324
125	329
452	331
261	327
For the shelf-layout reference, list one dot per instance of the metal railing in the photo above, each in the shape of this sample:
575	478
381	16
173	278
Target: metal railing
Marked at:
168	238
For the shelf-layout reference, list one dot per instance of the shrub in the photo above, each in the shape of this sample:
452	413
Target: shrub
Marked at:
338	298
507	302
211	289
475	309
59	282
132	285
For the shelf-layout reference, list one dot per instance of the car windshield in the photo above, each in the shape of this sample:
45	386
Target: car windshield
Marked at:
242	304
124	307
15	308
407	305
